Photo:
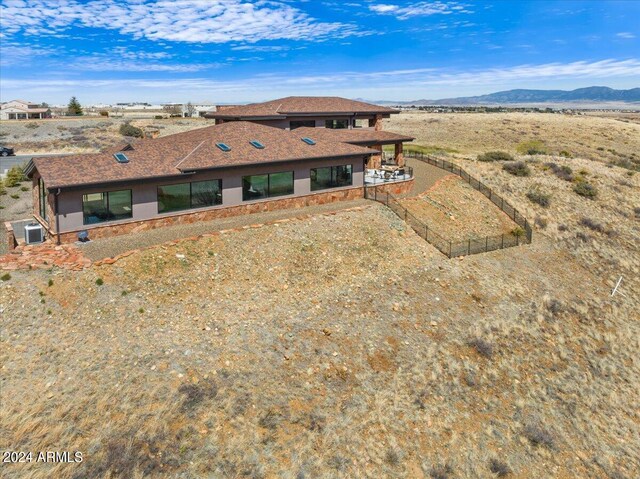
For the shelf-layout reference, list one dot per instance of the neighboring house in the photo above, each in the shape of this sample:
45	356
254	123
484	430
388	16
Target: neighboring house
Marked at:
218	171
307	111
23	110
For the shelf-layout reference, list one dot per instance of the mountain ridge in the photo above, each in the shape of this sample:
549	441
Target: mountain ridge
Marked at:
518	96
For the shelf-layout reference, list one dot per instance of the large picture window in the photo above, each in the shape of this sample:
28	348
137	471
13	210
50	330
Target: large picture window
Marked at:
297	124
336	124
331	177
109	206
184	196
42	194
255	187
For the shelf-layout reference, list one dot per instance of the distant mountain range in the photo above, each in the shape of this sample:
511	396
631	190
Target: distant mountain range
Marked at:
589	94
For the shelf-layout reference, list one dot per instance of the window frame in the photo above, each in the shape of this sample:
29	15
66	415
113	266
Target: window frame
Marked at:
334	122
190	207
268	190
332	177
108	208
42	196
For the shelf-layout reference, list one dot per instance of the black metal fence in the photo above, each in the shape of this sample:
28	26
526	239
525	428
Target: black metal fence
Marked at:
521	235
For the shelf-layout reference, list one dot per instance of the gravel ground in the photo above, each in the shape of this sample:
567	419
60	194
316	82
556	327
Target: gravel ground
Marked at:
333	347
110	247
14	209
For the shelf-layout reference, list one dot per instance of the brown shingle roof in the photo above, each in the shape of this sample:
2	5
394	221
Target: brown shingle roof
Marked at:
189	151
355	136
300	105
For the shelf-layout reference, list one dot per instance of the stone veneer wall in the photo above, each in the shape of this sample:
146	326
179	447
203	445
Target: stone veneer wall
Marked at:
395	188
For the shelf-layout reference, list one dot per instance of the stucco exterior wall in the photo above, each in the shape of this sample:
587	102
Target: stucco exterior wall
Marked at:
144	194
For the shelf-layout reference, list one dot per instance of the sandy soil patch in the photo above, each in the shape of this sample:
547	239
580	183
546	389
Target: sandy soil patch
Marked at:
456	211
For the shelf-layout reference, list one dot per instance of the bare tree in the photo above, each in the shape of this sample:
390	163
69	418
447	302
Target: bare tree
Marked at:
190	109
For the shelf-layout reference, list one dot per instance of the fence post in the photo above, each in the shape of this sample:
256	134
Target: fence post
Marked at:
426	232
502	245
469	247
486	245
405	215
502	204
449	248
387	198
375	193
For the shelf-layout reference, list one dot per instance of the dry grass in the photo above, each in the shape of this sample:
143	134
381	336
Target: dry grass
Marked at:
590	137
339	347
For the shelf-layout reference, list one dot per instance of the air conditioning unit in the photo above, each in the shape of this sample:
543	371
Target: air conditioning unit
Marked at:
33	233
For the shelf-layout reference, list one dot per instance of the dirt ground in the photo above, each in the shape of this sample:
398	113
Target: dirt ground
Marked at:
458	212
344	346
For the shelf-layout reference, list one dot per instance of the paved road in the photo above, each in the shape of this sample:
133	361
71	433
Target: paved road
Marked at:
6	162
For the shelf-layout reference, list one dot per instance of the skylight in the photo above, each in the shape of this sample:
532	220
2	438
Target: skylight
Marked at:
308	141
257	144
121	157
223	146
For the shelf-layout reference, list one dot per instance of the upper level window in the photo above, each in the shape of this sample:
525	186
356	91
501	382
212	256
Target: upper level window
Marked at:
300	123
336	124
109	206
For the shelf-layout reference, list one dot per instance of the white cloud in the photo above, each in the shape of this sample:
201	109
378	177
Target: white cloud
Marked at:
195	21
627	35
419	9
409	83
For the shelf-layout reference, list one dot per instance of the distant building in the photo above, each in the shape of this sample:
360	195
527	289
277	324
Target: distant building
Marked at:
23	110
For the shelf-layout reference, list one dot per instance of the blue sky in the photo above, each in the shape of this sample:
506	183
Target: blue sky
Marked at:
228	51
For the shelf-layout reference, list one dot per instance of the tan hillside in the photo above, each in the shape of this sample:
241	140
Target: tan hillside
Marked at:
344	345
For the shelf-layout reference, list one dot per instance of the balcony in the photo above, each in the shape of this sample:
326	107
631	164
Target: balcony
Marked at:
387	174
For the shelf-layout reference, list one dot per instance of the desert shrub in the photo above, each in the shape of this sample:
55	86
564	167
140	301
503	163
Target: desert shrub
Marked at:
538	435
392	457
441	471
541	222
517	168
517	232
15	197
5	277
583	237
636	211
592	225
158	117
563	172
566	154
32	126
539	198
495	156
585	189
104	113
24	188
194	394
484	348
563	227
99	281
532	147
499	468
15	176
3	190
127	129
